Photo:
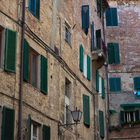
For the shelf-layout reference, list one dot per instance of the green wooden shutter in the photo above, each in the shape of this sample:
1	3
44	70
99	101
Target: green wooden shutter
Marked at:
116	53
46	132
117	84
101	123
112	84
81	64
103	89
26	61
114	17
10	51
98	39
38	9
85	18
8	119
137	115
88	68
136	83
86	110
108	17
97	80
122	117
92	37
44	75
111	53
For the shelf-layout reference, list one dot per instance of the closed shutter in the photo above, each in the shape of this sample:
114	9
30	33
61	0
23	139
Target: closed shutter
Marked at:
44	75
86	110
10	51
92	37
46	132
26	61
38	9
8	119
81	64
85	18
116	53
137	83
88	68
97	80
137	115
115	84
111	53
111	17
108	17
32	7
122	121
103	89
101	123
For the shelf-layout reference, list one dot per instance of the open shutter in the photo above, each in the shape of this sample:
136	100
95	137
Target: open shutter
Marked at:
137	115
122	117
101	123
26	61
46	132
8	119
103	89
86	110
85	18
81	64
10	51
97	80
88	68
136	83
92	37
111	53
44	75
116	53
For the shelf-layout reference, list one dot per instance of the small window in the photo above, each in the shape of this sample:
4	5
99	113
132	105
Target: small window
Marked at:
34	7
67	112
35	131
33	68
67	34
113	53
111	17
115	84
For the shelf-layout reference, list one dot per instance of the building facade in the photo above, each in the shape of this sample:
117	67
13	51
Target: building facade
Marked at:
58	69
122	35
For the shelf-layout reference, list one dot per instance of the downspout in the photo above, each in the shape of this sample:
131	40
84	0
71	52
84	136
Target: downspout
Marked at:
107	84
20	136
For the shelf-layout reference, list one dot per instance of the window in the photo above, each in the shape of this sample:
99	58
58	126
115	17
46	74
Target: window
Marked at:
81	58
67	34
34	132
137	86
99	8
86	110
46	132
111	17
101	124
34	7
85	18
67	115
130	116
113	53
98	39
35	68
85	65
8	121
115	84
92	37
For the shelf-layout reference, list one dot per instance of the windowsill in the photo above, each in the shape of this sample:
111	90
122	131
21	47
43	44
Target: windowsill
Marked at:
109	27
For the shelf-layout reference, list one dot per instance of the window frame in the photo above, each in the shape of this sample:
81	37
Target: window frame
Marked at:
37	137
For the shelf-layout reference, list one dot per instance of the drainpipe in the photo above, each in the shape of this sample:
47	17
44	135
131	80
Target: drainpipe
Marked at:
107	83
20	136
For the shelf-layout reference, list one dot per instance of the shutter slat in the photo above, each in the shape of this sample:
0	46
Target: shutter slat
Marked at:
44	75
46	132
8	119
10	51
86	110
81	58
88	68
101	123
26	61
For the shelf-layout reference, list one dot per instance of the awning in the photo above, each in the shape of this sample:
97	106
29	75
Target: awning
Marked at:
130	105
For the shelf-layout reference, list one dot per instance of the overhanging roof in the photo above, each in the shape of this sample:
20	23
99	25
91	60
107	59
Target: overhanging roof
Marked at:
130	105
